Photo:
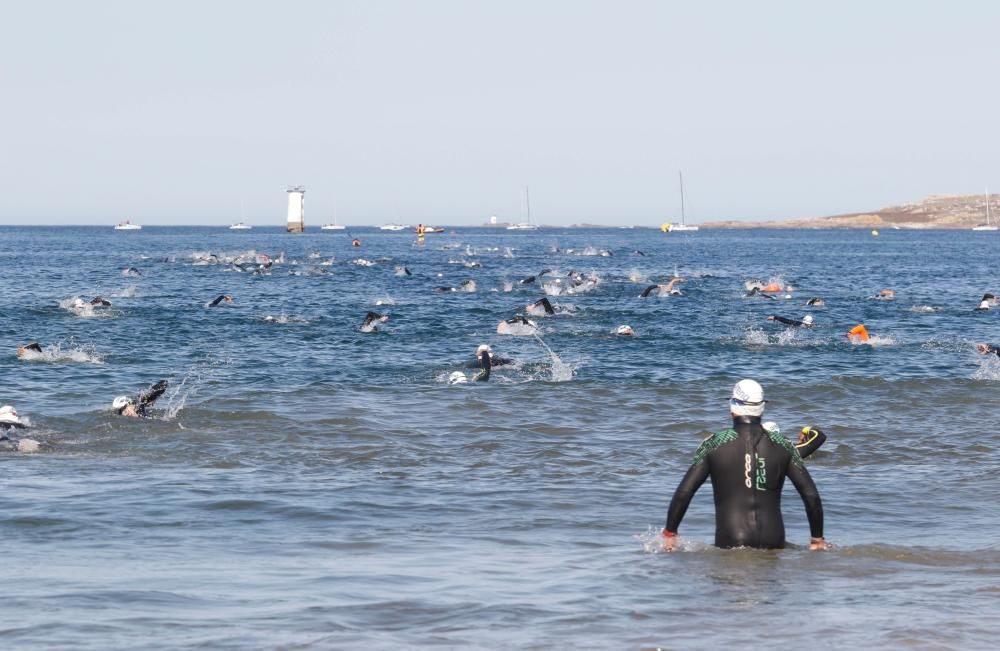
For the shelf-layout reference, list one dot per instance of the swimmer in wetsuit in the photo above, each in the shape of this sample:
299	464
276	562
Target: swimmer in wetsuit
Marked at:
219	299
372	319
34	347
985	349
806	322
540	307
816	302
485	350
756	291
748	466
9	421
137	407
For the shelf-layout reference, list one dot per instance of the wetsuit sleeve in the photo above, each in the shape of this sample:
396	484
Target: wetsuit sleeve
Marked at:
813	440
693	479
810	496
781	319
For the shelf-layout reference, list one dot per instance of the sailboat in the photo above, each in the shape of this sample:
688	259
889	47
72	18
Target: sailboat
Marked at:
241	225
334	226
528	225
987	226
669	227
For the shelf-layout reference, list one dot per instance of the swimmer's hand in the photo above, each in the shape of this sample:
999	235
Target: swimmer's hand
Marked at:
819	544
669	541
807	432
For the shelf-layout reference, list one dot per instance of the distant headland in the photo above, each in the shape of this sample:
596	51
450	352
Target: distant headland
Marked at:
934	212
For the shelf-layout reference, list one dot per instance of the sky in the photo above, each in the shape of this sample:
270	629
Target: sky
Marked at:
442	111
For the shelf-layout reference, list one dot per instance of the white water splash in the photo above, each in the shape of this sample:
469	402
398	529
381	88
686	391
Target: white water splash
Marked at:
64	352
989	368
924	309
561	371
81	308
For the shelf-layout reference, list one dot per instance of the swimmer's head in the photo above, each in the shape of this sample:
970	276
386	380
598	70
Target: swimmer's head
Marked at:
457	377
483	350
8	416
984	305
748	399
120	403
887	293
816	301
625	330
807	319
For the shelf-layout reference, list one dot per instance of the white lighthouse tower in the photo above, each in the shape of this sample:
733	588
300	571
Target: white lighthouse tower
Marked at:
296	208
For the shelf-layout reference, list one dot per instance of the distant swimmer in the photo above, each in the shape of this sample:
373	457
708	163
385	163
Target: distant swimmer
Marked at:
528	280
638	252
401	270
355	242
372	319
219	299
139	405
810	438
100	301
983	306
649	290
816	302
748	466
990	298
756	292
34	347
131	271
517	325
985	349
467	286
885	295
858	334
541	307
625	331
9	421
806	322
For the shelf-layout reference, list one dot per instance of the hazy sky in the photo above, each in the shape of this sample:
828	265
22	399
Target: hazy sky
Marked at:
441	111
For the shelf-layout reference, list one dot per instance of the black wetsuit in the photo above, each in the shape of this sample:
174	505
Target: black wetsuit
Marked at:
7	443
748	467
145	399
545	304
990	348
810	441
218	299
756	292
487	365
528	280
371	319
791	322
36	347
494	361
649	290
815	301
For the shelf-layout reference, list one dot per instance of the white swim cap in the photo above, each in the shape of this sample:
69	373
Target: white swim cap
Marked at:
120	402
483	348
985	305
9	415
772	427
625	330
807	319
748	399
457	377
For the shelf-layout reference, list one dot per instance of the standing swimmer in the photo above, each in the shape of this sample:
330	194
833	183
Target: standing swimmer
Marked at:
748	466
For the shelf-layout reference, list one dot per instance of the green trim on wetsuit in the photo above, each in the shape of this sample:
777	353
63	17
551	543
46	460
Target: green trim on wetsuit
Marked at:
780	440
712	443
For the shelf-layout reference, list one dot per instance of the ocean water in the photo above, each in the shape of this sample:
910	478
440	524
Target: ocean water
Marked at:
304	485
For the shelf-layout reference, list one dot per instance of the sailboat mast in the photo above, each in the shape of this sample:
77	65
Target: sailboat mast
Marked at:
680	175
527	202
987	206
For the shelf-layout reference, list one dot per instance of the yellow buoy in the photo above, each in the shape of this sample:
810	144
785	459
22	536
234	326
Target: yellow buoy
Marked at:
875	233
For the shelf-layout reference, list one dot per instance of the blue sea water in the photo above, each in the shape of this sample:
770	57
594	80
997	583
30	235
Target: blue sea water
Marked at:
304	485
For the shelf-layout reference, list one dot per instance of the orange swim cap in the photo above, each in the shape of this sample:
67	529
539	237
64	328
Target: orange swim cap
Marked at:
858	333
773	287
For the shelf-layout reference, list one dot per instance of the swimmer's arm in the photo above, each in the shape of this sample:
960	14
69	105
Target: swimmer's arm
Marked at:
781	319
693	479
810	440
810	496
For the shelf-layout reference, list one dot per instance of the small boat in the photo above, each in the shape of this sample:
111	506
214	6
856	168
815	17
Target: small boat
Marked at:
127	226
392	227
528	225
240	227
431	229
987	226
332	227
673	227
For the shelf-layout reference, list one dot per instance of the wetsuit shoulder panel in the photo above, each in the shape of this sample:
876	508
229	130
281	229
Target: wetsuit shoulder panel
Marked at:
782	442
713	443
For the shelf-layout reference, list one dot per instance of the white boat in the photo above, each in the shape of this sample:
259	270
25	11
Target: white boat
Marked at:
528	225
674	227
332	227
240	227
987	226
127	226
392	227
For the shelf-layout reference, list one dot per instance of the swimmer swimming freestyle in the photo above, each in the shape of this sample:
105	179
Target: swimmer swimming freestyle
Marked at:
748	466
138	406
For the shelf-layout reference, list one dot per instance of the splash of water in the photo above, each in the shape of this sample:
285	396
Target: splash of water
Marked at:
561	371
